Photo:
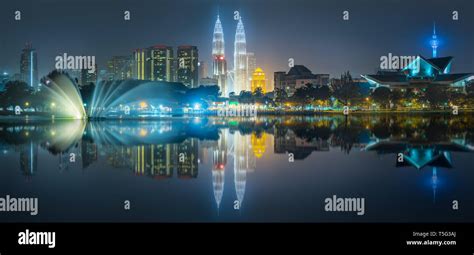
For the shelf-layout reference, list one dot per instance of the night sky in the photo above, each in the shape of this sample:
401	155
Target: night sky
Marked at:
311	32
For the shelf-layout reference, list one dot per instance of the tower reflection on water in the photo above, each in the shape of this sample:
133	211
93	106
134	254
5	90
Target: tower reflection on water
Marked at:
233	147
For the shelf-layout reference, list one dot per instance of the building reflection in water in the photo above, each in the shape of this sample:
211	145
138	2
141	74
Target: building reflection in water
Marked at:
238	148
244	162
258	142
29	159
286	141
419	154
219	162
160	149
157	161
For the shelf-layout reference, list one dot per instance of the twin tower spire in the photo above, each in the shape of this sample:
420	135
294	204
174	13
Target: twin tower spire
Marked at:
239	73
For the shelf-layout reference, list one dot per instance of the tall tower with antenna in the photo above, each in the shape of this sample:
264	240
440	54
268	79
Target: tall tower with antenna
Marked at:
219	64
434	42
240	59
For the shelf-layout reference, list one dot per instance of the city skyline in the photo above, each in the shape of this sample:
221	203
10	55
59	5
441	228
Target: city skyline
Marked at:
322	52
147	112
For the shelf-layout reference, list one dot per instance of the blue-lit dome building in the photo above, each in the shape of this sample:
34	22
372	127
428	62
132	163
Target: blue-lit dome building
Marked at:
421	72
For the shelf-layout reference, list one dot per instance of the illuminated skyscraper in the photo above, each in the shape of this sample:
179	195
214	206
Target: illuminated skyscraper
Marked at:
202	67
119	68
258	80
155	63
29	66
188	66
88	78
141	70
161	57
219	67
240	60
251	66
434	42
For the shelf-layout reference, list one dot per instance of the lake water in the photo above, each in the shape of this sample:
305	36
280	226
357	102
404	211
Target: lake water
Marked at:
407	168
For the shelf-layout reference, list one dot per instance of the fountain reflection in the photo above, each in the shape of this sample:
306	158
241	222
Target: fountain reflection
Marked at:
162	149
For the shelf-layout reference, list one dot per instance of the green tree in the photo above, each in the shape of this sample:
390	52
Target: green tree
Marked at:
470	88
280	96
301	96
321	92
396	97
436	96
16	93
381	96
258	93
245	97
346	90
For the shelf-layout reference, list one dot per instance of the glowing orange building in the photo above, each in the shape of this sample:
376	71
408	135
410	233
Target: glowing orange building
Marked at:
258	80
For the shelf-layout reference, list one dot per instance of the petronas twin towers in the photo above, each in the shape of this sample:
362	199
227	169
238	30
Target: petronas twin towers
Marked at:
238	79
219	64
241	81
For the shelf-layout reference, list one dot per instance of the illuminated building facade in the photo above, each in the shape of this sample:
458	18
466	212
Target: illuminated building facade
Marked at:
420	74
141	69
258	80
202	69
187	61
155	63
240	60
119	68
298	76
219	64
88	78
29	66
161	57
251	66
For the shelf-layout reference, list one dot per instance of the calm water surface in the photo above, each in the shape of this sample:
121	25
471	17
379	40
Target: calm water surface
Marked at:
200	169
